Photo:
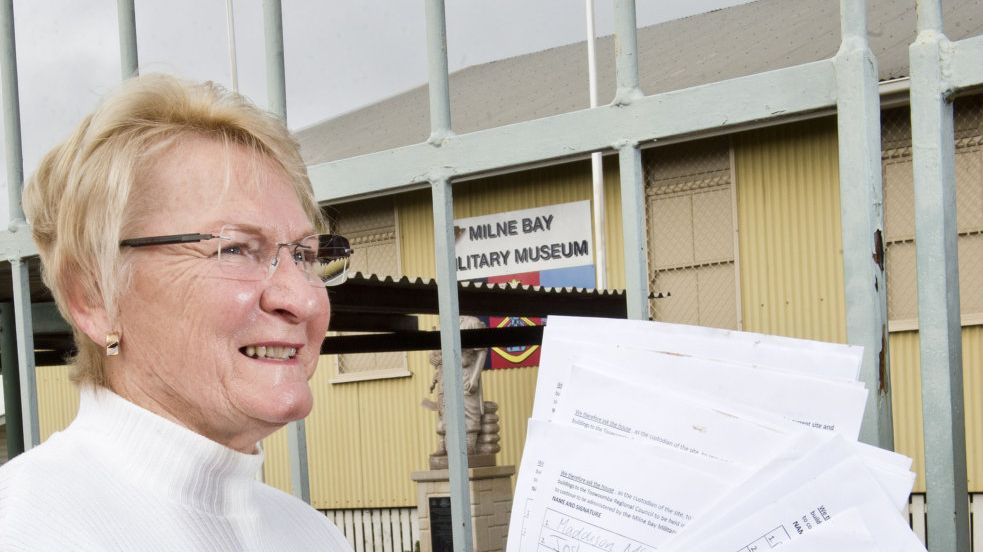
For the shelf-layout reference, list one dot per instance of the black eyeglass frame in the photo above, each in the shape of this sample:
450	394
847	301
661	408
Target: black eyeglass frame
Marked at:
194	238
167	240
172	239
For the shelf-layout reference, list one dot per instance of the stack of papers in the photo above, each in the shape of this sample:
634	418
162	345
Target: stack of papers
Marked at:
652	436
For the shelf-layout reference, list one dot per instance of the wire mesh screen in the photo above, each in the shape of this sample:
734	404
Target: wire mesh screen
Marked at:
371	229
690	207
899	211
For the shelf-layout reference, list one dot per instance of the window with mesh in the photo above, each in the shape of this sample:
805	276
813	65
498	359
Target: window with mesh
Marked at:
371	228
690	208
899	212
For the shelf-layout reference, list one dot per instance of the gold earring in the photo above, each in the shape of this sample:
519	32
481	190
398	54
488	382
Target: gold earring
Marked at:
112	344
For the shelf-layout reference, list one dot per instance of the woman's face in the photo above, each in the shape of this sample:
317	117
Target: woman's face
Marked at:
185	324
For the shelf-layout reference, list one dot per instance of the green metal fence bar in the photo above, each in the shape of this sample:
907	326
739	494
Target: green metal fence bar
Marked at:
966	65
19	270
810	87
450	348
300	483
25	353
11	380
634	229
127	21
862	217
933	145
11	114
276	90
630	165
626	53
444	254
437	75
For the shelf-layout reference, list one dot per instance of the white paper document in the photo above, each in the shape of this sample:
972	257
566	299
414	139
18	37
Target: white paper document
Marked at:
823	404
811	463
843	486
647	436
866	528
583	490
670	418
846	532
803	356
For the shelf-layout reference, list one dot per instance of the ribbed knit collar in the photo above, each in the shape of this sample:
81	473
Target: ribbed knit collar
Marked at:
164	458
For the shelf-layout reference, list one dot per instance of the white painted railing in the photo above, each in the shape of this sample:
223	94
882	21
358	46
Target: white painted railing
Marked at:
379	530
918	516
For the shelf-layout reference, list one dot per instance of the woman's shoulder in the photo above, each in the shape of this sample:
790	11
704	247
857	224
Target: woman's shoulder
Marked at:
37	488
36	466
53	463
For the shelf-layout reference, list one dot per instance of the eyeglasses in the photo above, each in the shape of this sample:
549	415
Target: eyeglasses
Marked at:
245	254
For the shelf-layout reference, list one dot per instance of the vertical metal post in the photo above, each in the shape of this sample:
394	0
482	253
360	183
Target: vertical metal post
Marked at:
447	302
127	21
230	23
633	223
450	348
300	483
25	353
862	217
11	114
276	89
11	380
626	52
630	165
19	272
596	162
439	80
936	256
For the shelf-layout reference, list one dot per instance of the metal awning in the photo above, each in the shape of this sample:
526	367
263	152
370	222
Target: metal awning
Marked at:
389	307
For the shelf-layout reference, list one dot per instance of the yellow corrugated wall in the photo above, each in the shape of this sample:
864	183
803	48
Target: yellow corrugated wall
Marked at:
972	340
364	438
788	205
58	399
907	402
792	272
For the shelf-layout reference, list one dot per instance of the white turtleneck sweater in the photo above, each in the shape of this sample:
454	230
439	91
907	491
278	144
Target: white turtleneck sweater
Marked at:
122	478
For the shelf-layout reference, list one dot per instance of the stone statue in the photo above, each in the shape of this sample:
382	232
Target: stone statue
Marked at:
480	416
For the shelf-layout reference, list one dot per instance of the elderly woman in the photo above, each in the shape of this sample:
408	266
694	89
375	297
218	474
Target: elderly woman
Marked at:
180	237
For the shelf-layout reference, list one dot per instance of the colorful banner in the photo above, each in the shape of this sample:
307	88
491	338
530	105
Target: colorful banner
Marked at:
523	355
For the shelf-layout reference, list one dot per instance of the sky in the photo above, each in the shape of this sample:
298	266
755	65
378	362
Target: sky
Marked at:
340	55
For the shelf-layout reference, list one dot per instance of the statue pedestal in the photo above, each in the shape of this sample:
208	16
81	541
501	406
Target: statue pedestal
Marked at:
491	506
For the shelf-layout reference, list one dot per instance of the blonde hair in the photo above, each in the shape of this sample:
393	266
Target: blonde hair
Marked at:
79	200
